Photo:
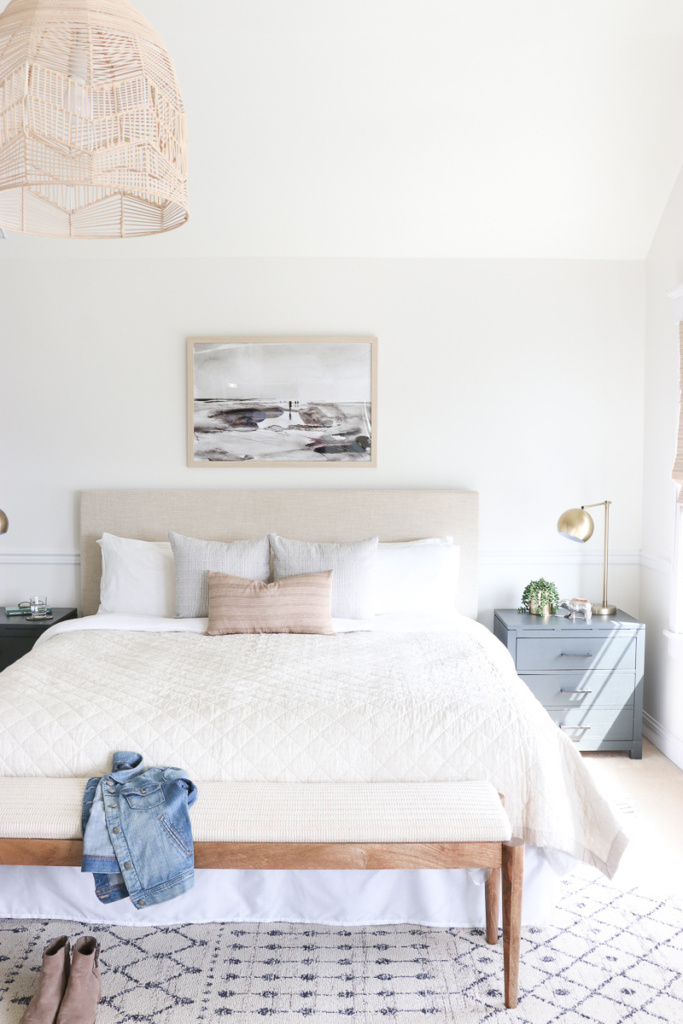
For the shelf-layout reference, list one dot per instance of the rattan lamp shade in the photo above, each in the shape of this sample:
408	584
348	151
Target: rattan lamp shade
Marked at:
93	140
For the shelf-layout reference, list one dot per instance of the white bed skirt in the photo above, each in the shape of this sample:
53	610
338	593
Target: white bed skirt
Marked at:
441	898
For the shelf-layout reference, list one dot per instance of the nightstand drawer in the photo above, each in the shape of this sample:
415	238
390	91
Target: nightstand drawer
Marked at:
582	689
603	660
588	729
573	652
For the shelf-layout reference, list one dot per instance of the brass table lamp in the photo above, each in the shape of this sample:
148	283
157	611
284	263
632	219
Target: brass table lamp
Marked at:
577	524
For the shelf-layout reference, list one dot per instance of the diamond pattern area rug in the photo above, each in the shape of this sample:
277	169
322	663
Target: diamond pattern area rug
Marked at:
610	957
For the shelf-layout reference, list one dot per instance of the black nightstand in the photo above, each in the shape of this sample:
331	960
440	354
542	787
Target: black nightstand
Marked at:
588	676
18	635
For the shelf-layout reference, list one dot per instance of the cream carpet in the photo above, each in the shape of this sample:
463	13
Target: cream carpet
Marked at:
611	957
649	796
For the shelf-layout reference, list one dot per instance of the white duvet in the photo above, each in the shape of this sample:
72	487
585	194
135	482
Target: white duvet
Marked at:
374	705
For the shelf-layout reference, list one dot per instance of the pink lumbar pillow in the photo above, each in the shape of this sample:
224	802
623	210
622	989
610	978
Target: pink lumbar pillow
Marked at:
296	604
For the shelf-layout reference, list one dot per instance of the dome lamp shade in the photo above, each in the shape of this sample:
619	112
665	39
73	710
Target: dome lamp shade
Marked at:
576	524
93	138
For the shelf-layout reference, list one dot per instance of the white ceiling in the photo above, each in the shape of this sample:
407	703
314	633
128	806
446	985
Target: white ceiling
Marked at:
430	128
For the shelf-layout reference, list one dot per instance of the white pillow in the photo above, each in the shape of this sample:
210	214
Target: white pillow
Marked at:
138	576
353	571
417	575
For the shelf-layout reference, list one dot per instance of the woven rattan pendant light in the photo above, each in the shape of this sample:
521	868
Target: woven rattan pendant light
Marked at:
92	127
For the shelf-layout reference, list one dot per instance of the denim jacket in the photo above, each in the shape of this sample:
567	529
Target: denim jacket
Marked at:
137	838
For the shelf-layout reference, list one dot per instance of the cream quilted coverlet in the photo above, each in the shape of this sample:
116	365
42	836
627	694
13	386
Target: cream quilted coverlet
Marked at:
357	707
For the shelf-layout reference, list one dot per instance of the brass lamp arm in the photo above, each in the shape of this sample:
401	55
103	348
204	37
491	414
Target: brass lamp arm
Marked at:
605	609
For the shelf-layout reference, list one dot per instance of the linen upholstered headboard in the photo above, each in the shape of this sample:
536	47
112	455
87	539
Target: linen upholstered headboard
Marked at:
315	515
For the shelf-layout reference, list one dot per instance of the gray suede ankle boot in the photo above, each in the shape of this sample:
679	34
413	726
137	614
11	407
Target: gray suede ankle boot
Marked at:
82	995
54	975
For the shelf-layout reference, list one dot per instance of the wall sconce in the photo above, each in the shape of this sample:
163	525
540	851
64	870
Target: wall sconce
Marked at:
577	524
4	522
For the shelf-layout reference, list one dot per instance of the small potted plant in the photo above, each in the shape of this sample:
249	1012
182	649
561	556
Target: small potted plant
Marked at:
539	598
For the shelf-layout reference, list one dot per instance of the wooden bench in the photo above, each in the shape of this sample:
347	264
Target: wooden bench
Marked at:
353	826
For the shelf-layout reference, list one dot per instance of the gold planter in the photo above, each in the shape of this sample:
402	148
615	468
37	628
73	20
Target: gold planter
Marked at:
544	609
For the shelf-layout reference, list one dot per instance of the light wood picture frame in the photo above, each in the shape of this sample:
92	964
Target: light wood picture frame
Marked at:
282	401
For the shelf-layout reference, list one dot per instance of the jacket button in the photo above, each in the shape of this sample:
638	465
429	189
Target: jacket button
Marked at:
142	791
111	805
128	865
142	903
116	830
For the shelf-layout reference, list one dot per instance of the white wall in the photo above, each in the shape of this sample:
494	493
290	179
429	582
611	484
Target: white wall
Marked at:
520	379
431	128
664	667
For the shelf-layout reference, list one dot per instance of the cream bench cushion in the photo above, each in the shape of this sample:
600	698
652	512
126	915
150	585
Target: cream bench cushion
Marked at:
284	812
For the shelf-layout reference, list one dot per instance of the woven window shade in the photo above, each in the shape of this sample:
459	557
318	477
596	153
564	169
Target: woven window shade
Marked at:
677	473
93	140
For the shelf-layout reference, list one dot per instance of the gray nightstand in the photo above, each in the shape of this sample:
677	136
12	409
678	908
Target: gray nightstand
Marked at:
18	635
588	677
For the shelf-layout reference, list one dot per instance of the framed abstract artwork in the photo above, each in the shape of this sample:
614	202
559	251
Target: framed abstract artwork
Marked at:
282	401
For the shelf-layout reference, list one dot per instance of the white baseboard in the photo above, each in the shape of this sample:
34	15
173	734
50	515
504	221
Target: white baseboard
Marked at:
671	746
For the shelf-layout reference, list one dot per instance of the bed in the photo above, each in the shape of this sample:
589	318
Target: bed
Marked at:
406	699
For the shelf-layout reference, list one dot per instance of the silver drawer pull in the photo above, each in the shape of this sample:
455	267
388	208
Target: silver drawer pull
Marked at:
571	654
576	691
584	728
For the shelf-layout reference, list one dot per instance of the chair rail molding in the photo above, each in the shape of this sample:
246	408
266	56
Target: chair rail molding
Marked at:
555	557
491	557
656	564
39	558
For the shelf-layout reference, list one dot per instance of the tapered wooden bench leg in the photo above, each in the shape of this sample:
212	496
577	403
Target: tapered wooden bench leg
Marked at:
513	878
492	887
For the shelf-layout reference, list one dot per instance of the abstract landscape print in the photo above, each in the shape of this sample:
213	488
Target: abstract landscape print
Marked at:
284	401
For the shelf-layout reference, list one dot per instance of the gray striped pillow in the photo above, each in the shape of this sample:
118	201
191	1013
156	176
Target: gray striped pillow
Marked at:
193	558
299	604
353	586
